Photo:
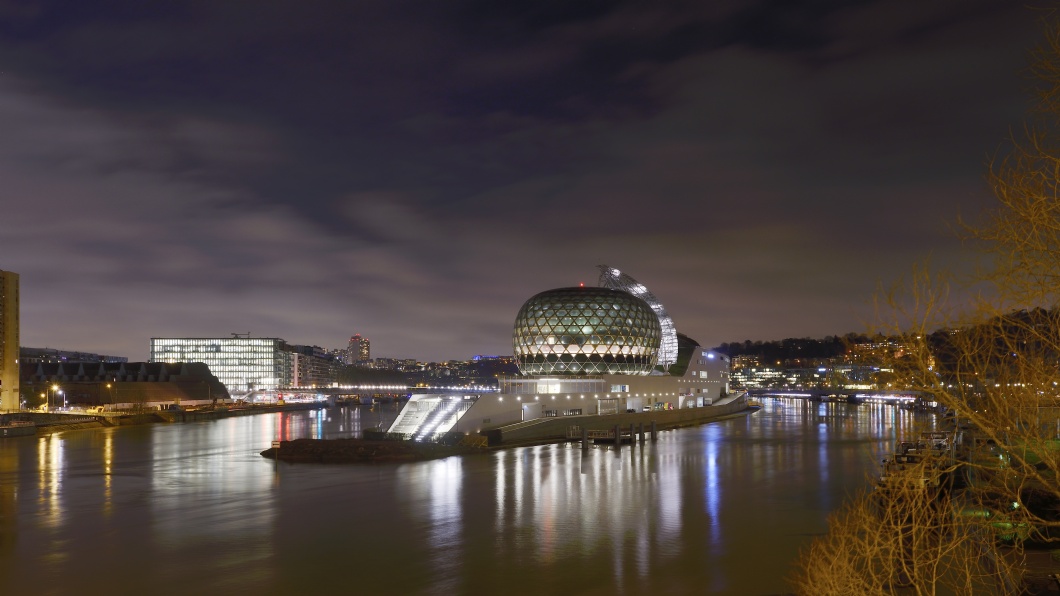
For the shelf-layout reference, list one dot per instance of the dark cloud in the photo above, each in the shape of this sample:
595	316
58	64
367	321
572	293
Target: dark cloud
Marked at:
413	172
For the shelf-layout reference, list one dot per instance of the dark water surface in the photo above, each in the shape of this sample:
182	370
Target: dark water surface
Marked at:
194	509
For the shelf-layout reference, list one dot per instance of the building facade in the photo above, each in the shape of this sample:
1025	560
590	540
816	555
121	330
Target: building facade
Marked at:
118	385
242	364
313	366
585	354
9	338
359	350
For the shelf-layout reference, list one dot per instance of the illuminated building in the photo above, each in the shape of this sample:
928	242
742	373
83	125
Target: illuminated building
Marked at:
586	330
615	279
242	363
584	353
312	366
359	350
9	337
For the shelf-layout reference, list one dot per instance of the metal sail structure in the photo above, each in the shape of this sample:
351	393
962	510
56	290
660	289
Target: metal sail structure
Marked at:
616	280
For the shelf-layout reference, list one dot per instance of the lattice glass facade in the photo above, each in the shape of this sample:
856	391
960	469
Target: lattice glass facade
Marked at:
241	363
616	280
586	331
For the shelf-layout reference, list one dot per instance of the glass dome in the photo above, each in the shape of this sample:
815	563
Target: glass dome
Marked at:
586	331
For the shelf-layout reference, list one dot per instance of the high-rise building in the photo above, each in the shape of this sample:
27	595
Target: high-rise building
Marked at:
359	350
9	396
241	363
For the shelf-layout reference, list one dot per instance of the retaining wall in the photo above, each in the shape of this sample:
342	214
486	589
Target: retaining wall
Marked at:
543	430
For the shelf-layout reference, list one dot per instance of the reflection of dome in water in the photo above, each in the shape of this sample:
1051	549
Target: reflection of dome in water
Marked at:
586	331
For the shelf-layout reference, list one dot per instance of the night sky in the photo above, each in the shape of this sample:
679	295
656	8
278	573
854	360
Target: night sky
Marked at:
414	171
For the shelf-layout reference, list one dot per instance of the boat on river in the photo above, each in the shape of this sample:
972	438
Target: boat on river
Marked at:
919	464
17	428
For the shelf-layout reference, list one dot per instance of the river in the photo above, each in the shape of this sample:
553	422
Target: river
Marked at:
193	508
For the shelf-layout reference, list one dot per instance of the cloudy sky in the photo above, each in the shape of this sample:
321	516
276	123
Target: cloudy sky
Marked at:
414	171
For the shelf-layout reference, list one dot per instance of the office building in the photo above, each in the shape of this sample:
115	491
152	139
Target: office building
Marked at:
243	364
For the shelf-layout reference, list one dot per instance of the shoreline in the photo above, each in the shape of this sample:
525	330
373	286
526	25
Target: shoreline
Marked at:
46	423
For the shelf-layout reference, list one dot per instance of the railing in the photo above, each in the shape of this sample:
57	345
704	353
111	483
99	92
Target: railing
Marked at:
448	438
575	432
69	419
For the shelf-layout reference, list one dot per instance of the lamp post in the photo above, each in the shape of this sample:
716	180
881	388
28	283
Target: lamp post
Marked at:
51	394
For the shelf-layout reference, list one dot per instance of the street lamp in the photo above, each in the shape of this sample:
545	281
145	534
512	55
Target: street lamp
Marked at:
54	389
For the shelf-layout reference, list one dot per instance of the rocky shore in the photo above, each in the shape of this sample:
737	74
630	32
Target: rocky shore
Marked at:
362	451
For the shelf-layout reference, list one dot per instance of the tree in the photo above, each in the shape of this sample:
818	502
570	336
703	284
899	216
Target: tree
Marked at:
995	361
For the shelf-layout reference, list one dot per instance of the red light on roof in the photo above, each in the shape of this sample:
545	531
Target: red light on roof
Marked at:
581	284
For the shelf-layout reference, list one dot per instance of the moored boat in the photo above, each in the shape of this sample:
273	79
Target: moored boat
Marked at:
17	428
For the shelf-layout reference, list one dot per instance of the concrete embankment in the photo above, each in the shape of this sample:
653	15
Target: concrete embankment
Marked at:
50	422
550	430
199	415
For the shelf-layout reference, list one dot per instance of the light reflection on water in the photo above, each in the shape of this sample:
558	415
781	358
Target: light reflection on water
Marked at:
720	508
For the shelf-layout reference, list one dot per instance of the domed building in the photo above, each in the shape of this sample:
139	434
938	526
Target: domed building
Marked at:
586	331
588	357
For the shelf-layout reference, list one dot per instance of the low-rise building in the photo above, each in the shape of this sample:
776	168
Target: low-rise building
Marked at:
118	383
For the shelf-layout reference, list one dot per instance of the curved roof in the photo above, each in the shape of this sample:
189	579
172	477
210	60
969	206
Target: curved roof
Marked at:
586	331
616	280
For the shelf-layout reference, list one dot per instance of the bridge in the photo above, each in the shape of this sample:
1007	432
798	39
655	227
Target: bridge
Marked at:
377	392
837	394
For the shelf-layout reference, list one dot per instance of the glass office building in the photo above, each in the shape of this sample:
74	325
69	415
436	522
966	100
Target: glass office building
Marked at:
242	363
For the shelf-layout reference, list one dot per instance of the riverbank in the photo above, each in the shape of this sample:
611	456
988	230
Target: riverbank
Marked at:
53	422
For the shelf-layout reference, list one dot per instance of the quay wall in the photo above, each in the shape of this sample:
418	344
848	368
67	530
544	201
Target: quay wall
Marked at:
543	430
47	422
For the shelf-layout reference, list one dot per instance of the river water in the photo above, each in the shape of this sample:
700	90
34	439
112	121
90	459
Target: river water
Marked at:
193	508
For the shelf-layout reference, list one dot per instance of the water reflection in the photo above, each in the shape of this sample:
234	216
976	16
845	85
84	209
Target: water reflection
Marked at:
50	466
332	423
9	468
703	510
434	490
108	471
